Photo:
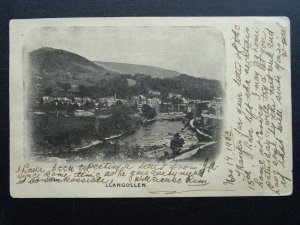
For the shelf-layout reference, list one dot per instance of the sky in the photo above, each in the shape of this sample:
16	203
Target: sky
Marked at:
197	51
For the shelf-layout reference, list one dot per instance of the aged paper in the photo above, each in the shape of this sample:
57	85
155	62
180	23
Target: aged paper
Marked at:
150	107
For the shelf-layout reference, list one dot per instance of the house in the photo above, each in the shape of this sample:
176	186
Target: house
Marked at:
46	98
62	99
184	100
74	88
217	99
86	99
142	98
174	95
108	101
77	99
211	110
155	93
154	102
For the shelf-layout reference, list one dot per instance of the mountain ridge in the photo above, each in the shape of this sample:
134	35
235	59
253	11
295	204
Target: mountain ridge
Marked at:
50	60
47	60
130	68
58	72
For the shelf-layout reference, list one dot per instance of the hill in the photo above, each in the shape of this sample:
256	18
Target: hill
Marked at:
56	72
56	60
53	68
56	65
126	68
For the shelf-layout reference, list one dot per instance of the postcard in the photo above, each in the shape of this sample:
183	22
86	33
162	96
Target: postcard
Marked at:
150	107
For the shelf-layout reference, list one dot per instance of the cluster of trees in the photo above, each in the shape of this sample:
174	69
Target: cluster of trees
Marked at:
64	133
107	87
188	86
120	121
176	143
60	134
117	85
65	86
148	112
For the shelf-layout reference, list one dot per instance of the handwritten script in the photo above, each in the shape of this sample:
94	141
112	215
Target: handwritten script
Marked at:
255	148
113	174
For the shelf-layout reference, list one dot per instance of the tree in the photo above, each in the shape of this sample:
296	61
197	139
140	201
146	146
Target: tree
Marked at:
48	91
176	143
148	112
176	100
164	94
200	107
83	90
66	86
134	108
89	105
119	103
189	115
119	121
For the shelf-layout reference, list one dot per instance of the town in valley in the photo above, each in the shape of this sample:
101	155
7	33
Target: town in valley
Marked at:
76	114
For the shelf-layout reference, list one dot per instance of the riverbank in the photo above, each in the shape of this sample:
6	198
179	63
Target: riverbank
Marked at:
148	141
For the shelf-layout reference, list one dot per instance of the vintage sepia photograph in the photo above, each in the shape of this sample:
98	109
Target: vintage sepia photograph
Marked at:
123	93
140	108
150	107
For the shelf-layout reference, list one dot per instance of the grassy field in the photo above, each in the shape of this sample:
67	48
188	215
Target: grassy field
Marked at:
61	133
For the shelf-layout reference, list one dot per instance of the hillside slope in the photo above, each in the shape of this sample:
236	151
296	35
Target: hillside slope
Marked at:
126	68
55	72
51	67
54	60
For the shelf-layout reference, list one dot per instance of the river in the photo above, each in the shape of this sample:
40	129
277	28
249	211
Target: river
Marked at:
150	141
158	131
153	135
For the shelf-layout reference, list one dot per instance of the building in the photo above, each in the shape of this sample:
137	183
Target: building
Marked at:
153	102
155	93
211	110
108	101
74	88
175	95
170	107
